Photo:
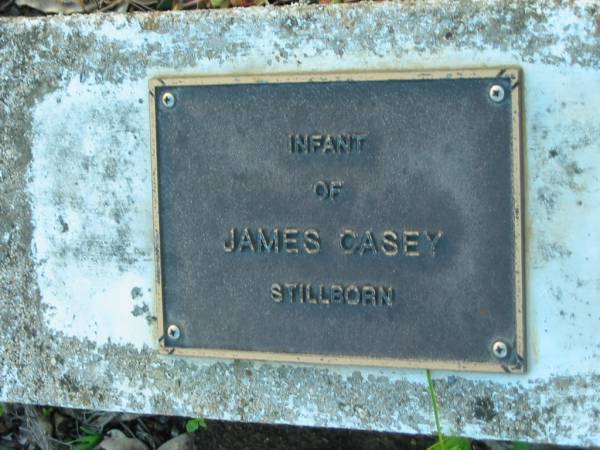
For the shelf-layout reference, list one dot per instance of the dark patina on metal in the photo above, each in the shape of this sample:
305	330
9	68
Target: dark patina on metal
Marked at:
342	218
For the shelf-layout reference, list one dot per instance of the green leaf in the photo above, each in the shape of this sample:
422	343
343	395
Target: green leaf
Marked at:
88	441
521	446
436	446
164	5
452	443
90	446
444	442
47	411
434	406
1	409
457	443
194	425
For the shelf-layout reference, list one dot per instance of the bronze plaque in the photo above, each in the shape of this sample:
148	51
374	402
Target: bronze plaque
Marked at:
359	219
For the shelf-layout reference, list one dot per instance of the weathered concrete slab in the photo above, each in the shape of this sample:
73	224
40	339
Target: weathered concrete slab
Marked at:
76	265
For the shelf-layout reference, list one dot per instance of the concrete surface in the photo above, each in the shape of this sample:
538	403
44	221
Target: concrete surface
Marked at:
77	323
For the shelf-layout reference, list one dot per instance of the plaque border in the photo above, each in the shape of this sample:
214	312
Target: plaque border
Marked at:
512	72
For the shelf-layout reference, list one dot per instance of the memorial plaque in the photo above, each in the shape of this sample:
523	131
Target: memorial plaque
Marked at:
360	219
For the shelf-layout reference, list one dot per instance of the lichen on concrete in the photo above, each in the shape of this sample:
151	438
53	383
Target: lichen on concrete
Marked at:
76	250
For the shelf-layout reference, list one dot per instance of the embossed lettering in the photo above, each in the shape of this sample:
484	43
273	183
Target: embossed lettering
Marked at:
314	142
276	293
298	143
390	243
434	238
336	187
327	189
333	294
358	141
310	298
369	295
290	289
411	243
337	293
261	240
323	298
312	242
352	295
290	240
230	245
293	240
386	295
246	241
268	245
343	143
367	243
327	144
321	189
347	239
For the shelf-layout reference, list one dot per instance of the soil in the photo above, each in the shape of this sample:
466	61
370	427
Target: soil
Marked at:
30	427
35	427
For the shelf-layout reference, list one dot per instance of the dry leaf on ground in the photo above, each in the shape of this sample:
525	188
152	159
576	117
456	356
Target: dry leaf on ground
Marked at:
182	442
53	6
117	440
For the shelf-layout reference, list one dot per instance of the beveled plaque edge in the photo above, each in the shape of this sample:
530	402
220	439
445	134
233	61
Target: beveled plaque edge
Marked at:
512	72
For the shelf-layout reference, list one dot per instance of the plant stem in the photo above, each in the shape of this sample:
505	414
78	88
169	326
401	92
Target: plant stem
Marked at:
435	407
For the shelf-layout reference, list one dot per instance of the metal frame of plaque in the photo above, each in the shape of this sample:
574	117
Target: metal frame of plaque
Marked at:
508	358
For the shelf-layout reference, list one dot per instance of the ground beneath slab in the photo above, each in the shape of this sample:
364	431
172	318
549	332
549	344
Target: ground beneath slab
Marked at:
38	427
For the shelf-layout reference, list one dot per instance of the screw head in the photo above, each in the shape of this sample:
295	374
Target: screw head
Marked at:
173	332
500	349
497	93
168	99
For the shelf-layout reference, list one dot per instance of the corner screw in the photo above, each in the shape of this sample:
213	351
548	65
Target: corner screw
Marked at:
168	99
173	332
500	349
497	93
